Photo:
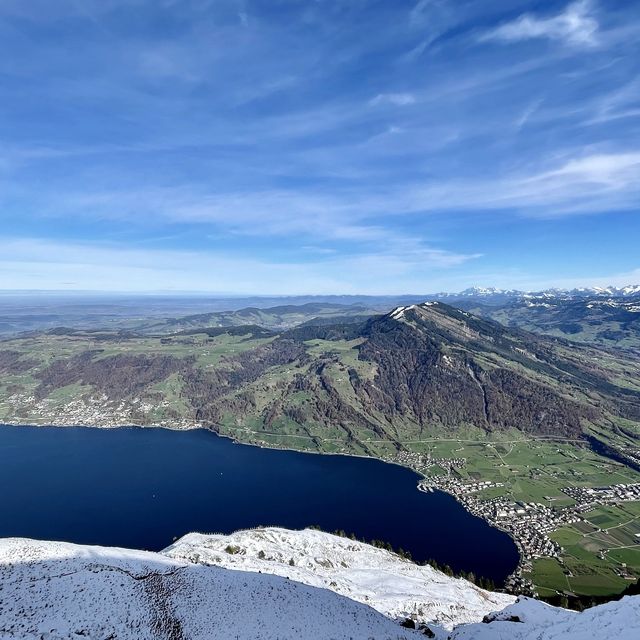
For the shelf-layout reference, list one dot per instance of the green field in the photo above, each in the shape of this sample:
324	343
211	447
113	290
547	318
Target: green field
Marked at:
537	471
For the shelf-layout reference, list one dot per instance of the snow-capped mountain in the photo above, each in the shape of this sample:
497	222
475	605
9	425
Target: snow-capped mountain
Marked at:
267	584
495	294
489	293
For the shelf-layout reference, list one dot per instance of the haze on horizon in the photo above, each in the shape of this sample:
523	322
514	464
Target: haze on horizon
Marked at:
326	147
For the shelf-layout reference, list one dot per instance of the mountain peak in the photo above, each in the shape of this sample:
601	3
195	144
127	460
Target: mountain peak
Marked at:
399	312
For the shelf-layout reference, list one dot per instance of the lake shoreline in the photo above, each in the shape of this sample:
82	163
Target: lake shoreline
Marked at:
267	446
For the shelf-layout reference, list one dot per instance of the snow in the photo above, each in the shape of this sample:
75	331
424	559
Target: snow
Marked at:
56	591
532	620
62	591
394	586
628	290
397	313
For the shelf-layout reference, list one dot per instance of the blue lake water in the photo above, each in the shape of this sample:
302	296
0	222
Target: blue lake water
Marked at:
141	488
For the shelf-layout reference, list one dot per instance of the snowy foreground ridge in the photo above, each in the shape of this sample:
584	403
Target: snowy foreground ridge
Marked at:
392	585
210	587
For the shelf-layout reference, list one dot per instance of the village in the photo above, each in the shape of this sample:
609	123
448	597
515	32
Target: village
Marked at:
588	498
528	523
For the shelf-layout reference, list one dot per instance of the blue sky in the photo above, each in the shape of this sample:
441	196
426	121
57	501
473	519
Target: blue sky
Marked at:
318	146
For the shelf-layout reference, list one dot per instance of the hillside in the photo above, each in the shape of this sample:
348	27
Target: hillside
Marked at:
390	584
609	321
61	591
278	317
58	591
421	368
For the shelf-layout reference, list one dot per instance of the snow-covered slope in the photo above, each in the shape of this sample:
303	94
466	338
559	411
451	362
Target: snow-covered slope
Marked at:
530	619
61	591
55	591
394	586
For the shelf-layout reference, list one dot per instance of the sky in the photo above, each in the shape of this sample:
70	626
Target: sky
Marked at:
318	146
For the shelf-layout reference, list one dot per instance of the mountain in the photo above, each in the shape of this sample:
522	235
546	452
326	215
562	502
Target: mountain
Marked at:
607	320
278	317
493	295
20	313
57	590
432	368
421	368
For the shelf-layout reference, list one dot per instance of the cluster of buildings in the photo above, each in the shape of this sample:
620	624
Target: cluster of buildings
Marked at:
95	410
588	498
416	461
528	523
421	462
448	464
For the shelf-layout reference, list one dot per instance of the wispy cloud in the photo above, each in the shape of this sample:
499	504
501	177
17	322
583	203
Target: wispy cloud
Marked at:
29	262
526	114
617	171
623	102
397	99
582	185
575	26
431	19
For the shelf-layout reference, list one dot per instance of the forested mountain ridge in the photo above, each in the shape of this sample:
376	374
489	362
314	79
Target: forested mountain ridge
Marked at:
419	369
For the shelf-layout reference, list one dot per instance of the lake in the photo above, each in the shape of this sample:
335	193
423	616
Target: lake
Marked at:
142	488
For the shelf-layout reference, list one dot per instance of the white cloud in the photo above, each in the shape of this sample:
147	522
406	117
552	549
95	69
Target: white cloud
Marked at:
364	217
398	99
588	184
525	116
575	26
617	171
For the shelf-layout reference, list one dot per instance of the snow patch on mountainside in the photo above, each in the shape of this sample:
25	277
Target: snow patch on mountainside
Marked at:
394	586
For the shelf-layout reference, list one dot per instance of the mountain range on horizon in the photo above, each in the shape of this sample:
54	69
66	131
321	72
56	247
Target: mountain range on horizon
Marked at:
478	291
